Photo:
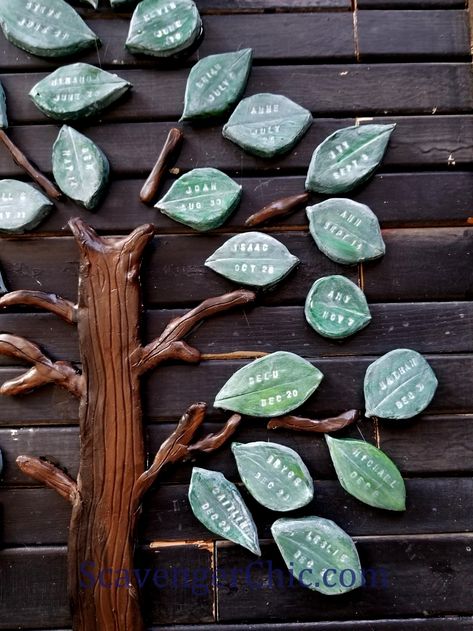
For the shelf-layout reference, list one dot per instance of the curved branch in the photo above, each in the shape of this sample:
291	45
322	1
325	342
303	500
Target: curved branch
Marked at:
300	424
211	442
277	208
65	309
43	372
164	347
50	475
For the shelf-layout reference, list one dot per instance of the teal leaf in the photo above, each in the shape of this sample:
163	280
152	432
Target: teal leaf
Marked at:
3	109
22	207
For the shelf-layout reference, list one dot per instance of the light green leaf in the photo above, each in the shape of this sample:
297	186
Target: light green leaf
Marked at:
22	207
3	109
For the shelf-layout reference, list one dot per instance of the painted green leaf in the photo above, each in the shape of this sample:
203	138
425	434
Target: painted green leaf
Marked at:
346	231
252	258
79	167
270	386
3	109
399	385
164	27
215	83
347	158
319	554
367	473
77	91
274	475
48	28
3	288
22	207
217	503
202	199
336	308
267	124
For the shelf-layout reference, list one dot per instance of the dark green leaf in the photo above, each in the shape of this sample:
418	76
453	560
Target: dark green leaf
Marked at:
3	109
22	207
367	473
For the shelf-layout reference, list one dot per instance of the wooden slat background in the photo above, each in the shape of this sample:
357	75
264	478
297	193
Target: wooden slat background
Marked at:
403	61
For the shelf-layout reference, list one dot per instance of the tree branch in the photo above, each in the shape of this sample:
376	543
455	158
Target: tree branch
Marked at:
44	371
211	442
300	424
55	304
49	475
168	345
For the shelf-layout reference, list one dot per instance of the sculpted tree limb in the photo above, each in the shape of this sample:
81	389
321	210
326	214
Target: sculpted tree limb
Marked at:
301	424
50	302
50	475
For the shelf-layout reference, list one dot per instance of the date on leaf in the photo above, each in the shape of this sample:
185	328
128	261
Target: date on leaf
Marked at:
270	386
367	473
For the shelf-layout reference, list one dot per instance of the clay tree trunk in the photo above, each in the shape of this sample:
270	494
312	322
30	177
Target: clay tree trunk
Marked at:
113	477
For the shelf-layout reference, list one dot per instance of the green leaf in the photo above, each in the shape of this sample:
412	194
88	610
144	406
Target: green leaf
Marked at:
3	288
319	554
202	199
215	83
163	27
48	28
399	385
3	109
79	167
336	308
367	473
346	231
347	158
270	386
252	258
267	124
22	207
77	91
218	505
274	475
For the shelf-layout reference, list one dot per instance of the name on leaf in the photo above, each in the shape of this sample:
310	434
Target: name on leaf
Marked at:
372	466
229	507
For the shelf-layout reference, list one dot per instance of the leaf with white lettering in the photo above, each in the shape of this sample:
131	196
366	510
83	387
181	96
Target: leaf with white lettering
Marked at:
252	258
399	385
336	308
274	475
346	231
3	109
203	199
347	158
76	91
367	473
217	503
267	124
319	554
48	28
79	167
215	83
270	386
22	207
164	28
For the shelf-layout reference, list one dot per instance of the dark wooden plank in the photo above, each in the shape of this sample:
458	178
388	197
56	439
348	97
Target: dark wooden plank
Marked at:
41	573
384	89
398	199
331	39
419	266
411	4
418	142
172	388
436	328
436	569
41	517
404	34
412	624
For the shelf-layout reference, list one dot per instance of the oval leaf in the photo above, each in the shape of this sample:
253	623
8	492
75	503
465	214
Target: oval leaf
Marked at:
319	554
77	91
399	385
218	505
202	199
3	109
367	473
270	386
274	475
254	259
347	232
336	308
215	83
267	124
79	167
347	158
49	28
22	207
163	28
